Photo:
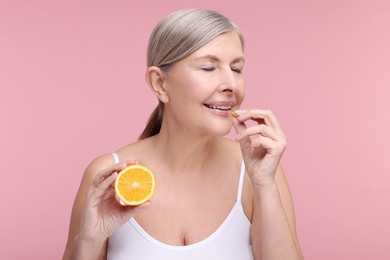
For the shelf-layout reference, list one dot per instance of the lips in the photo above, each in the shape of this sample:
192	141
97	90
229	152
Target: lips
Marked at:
219	107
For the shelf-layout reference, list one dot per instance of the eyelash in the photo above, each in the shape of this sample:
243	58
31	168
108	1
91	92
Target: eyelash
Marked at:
237	70
208	68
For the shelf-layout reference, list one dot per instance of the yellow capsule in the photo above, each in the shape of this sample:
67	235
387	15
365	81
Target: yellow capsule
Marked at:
233	114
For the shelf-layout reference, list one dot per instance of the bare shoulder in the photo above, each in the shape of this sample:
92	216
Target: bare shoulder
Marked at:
99	163
136	151
93	168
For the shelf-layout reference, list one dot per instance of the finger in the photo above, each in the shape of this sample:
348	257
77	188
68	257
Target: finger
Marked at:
264	130
103	174
260	116
244	115
109	194
239	126
131	162
245	142
272	146
263	142
128	162
103	186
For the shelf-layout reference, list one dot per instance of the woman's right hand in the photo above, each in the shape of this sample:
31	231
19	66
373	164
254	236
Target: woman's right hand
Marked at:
102	214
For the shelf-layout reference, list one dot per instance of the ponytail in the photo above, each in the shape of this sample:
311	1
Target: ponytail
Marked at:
153	125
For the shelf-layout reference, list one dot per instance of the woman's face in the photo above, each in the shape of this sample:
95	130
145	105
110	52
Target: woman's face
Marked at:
205	85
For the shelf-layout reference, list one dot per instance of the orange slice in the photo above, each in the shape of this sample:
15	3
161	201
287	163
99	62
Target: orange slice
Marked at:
134	185
233	114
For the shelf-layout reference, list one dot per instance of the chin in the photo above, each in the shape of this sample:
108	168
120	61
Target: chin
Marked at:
221	130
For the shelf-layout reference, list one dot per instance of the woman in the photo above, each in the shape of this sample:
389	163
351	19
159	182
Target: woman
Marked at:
215	198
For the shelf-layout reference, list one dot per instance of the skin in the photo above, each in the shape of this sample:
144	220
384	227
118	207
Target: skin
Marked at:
207	183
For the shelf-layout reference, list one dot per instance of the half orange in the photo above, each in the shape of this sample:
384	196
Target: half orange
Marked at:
134	185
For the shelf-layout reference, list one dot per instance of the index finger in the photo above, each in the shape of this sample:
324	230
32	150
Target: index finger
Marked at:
260	116
103	174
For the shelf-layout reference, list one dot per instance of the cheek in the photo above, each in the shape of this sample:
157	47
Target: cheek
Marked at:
241	91
185	90
196	87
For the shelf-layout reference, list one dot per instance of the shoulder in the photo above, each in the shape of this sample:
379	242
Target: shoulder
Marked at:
93	168
136	151
99	163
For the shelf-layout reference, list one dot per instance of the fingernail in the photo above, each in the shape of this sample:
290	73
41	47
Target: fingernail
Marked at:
147	204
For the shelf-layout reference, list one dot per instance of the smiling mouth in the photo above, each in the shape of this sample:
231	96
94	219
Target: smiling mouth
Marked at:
222	108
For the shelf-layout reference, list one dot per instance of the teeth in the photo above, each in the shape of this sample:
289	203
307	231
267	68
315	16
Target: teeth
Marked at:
219	107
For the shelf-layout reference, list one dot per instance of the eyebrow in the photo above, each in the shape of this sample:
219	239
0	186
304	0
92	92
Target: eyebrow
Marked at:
215	58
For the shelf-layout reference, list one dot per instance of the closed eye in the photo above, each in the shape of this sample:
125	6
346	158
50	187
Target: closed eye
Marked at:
208	68
237	70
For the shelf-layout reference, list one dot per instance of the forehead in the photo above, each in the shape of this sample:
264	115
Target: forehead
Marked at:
225	45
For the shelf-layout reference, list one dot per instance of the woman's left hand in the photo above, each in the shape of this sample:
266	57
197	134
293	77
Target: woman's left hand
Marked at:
262	144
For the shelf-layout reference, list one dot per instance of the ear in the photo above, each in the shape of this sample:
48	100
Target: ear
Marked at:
156	81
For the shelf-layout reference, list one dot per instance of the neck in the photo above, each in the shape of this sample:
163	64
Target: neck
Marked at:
184	151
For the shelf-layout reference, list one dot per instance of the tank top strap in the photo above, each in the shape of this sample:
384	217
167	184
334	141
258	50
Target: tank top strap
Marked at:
241	182
116	157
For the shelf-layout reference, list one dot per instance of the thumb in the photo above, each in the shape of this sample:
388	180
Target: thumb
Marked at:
239	127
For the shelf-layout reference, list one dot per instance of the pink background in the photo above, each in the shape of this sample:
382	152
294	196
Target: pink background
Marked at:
72	87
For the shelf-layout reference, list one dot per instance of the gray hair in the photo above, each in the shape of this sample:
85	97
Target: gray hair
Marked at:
177	36
183	32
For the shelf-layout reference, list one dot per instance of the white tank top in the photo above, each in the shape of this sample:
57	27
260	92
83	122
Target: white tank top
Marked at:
231	241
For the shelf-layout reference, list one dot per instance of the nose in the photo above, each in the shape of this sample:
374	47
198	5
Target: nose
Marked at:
228	80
